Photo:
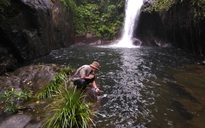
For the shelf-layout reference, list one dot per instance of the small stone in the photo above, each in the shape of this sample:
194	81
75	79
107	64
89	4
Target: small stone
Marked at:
203	62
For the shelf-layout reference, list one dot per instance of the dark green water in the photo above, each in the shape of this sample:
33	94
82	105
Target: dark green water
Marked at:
135	84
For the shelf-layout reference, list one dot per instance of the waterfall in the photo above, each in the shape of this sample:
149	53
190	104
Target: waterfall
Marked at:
131	18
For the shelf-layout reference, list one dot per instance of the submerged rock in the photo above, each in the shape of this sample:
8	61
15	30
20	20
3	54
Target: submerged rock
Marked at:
190	87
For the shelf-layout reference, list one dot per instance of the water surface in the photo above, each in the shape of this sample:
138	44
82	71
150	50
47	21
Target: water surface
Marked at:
136	84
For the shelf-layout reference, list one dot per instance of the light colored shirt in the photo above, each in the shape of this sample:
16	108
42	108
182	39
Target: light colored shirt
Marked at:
82	71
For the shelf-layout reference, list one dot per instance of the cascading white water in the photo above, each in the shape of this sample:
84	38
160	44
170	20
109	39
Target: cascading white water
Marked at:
131	17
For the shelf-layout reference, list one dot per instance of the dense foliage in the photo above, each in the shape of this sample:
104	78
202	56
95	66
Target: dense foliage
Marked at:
197	7
100	18
70	4
3	5
159	5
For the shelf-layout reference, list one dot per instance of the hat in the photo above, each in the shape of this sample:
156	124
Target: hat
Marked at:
95	65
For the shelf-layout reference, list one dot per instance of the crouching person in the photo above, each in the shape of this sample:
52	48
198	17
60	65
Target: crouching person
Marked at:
84	75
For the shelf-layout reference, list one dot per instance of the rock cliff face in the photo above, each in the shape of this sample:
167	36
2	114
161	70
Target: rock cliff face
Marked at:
32	29
176	26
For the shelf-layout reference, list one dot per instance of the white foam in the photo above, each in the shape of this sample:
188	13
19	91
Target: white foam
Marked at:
130	21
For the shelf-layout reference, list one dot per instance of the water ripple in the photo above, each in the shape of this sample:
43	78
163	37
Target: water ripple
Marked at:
136	94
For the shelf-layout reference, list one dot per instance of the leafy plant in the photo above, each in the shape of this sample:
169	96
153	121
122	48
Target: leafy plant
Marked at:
70	4
11	98
3	5
41	63
162	5
198	9
86	18
69	110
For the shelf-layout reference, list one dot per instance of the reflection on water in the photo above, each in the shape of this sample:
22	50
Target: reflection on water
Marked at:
137	92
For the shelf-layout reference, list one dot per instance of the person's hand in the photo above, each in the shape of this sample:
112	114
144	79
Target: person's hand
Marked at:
98	90
91	76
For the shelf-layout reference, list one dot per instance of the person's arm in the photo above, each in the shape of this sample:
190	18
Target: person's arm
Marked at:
95	86
88	77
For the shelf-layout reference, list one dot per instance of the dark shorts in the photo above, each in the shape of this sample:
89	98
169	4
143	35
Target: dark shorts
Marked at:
82	83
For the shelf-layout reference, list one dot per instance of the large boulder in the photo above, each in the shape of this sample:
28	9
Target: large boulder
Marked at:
31	29
34	77
177	26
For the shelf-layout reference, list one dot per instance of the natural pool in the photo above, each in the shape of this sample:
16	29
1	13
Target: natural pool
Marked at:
143	86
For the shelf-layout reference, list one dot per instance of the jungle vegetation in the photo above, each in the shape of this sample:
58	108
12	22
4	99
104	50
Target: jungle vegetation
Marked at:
100	18
104	18
197	7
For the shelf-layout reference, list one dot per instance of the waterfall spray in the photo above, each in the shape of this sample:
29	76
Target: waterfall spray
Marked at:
130	22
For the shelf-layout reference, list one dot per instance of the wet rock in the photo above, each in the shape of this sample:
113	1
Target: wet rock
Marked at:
203	62
175	26
33	77
34	125
190	87
136	42
16	121
36	76
184	91
31	29
90	95
8	82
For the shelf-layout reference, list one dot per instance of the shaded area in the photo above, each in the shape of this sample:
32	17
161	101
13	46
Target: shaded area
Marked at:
189	86
32	29
178	26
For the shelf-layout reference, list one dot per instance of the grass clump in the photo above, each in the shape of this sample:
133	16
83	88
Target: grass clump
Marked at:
69	111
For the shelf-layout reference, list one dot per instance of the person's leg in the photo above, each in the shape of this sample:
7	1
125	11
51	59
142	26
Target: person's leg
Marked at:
80	83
